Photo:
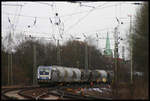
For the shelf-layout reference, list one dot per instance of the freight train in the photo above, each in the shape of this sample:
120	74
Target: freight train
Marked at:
53	75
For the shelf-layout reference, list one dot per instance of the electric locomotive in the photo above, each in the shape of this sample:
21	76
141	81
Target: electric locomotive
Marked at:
66	75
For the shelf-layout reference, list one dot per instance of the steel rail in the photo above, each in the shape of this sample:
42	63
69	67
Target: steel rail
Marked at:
36	97
77	96
59	92
8	89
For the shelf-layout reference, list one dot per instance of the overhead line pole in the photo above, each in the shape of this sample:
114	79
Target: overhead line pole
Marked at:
10	41
11	68
58	54
10	58
86	53
131	79
8	70
97	39
116	64
34	65
116	55
86	56
131	50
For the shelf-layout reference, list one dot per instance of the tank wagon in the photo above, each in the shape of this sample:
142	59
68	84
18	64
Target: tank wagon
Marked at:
66	75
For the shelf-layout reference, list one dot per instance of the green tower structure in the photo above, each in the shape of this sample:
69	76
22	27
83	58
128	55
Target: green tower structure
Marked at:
108	51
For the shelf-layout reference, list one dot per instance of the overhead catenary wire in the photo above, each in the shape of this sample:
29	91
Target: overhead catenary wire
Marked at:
14	18
41	17
63	15
33	17
25	15
105	7
96	9
11	5
44	3
18	17
99	30
7	13
71	15
83	17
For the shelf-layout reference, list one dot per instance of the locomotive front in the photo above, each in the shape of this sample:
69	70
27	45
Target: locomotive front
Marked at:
44	74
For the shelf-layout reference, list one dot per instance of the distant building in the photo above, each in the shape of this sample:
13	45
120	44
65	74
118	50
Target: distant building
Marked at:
108	51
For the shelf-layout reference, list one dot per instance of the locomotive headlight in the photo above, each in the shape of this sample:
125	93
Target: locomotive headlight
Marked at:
38	75
104	80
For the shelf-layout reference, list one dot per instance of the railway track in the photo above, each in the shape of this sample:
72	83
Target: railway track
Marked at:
13	90
37	93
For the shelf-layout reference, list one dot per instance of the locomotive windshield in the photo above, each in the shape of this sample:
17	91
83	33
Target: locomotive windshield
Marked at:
44	71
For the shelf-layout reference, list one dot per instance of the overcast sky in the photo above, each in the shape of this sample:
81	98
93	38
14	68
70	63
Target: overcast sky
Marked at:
76	18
